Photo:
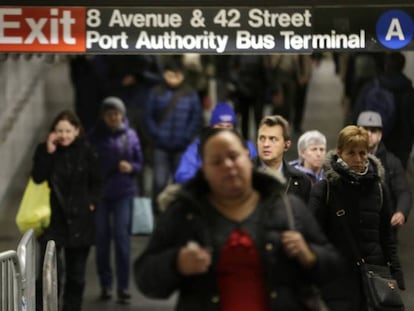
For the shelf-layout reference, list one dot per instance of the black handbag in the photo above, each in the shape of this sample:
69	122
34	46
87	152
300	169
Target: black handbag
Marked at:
380	288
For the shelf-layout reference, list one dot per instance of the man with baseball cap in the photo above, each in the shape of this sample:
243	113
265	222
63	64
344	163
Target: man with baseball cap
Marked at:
395	177
222	116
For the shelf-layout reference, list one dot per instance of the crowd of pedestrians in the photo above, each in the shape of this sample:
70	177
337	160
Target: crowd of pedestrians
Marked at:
244	219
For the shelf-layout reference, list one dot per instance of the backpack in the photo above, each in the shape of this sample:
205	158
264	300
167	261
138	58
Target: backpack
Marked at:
376	97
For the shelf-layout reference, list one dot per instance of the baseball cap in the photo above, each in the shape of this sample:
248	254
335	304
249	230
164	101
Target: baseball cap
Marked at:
369	119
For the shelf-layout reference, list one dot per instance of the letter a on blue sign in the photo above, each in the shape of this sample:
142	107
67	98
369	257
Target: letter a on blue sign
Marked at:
395	29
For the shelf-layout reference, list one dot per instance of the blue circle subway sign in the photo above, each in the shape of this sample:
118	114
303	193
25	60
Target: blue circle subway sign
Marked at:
395	29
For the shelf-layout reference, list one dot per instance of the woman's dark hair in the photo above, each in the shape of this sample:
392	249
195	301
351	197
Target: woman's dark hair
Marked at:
211	132
69	116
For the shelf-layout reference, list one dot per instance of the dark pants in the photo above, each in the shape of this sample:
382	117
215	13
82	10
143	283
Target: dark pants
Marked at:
71	266
244	103
300	102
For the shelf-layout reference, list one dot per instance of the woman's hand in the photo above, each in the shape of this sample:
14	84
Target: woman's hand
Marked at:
295	246
51	142
193	259
125	167
398	219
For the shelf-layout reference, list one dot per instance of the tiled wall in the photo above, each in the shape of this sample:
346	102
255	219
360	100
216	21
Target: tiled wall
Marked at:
27	91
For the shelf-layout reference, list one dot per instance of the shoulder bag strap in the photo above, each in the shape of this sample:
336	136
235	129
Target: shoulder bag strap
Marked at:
172	103
341	214
289	211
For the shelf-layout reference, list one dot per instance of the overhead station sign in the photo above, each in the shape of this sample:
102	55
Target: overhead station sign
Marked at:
204	30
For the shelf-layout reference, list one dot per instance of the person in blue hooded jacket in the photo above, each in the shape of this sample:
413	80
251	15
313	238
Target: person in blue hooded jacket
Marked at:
120	154
222	116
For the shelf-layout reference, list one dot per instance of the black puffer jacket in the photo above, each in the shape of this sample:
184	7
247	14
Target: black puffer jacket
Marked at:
396	180
367	213
189	218
297	182
75	180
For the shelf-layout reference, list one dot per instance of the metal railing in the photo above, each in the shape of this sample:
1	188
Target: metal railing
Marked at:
18	276
10	277
50	292
26	251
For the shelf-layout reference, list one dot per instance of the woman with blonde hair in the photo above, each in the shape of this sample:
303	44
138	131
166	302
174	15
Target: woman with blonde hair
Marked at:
353	200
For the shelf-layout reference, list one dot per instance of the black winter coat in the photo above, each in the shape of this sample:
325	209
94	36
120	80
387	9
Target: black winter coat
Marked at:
75	180
189	218
297	182
396	181
367	213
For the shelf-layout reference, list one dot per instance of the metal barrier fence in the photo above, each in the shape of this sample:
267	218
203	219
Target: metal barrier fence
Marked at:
18	276
50	292
10	276
26	251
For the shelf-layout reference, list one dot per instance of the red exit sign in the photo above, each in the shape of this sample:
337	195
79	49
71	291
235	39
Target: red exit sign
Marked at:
41	29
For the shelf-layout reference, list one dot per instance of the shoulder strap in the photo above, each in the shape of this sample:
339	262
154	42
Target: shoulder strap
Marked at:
173	102
381	194
289	211
327	192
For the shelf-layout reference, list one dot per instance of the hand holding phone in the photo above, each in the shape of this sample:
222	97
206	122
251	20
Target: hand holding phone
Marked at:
52	142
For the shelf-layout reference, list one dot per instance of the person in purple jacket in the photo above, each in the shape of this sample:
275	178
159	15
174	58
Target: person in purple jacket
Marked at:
120	154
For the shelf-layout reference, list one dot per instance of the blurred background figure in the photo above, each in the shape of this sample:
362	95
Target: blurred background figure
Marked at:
173	117
70	166
282	75
209	246
222	116
360	68
248	80
395	177
401	137
121	160
131	77
303	76
311	152
88	81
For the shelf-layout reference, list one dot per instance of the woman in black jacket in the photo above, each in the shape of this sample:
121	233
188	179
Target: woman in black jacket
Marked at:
354	195
71	169
224	242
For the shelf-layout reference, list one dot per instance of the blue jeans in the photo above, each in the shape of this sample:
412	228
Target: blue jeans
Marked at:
113	220
164	166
